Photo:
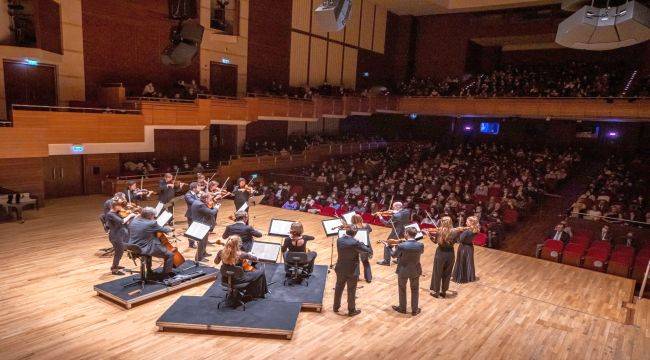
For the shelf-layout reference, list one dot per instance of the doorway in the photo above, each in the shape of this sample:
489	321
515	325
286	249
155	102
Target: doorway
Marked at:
223	79
29	84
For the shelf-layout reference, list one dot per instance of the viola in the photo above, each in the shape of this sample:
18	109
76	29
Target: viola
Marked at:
178	257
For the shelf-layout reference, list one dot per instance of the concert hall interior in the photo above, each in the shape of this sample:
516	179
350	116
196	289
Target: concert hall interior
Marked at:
325	179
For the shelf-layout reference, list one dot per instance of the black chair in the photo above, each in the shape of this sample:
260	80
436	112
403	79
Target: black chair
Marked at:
109	250
135	253
234	292
296	268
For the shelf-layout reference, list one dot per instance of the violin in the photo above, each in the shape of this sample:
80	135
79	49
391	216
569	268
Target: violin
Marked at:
392	242
128	209
384	213
178	257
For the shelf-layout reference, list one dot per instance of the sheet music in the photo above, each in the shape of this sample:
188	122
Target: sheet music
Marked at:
280	227
164	218
266	251
197	230
331	226
420	235
362	236
159	208
348	216
243	207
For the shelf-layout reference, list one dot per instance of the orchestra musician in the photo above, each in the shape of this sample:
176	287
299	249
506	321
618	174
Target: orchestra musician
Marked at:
143	230
118	232
399	219
201	182
408	270
232	255
108	203
241	193
365	258
205	212
190	197
241	228
443	261
133	194
167	191
464	270
297	242
347	268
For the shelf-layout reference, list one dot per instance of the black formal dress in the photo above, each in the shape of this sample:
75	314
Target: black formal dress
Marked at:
365	258
240	197
118	234
443	264
288	246
408	270
464	271
256	279
347	270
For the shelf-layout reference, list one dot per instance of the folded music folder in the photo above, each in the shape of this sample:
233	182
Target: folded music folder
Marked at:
331	226
362	236
279	227
197	230
266	251
164	218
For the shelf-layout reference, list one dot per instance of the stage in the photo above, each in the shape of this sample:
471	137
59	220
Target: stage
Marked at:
520	308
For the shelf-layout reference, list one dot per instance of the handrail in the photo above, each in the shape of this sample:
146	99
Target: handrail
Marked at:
160	99
524	97
615	220
161	174
219	97
73	108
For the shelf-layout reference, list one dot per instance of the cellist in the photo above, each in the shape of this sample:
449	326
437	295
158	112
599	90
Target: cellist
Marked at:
143	230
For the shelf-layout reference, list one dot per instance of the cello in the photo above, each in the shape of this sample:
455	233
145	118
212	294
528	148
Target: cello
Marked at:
178	257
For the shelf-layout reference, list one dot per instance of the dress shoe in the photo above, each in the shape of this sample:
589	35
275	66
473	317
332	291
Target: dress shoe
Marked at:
416	312
170	275
383	263
369	281
208	254
335	310
443	295
193	245
116	272
354	313
396	308
434	294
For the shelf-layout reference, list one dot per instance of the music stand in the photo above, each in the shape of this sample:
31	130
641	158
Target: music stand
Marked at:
197	231
419	235
362	236
279	227
266	251
331	226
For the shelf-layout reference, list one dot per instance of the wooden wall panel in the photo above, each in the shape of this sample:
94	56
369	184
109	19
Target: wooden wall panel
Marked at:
98	167
350	68
27	142
299	59
317	61
398	50
48	32
352	26
269	43
172	145
300	14
379	37
23	175
334	63
122	42
367	21
337	35
267	130
315	127
315	29
296	128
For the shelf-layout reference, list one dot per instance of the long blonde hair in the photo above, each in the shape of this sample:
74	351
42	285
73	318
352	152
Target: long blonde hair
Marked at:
357	220
444	231
473	224
230	252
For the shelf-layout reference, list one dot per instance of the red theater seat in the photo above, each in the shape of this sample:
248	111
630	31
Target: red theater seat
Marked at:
640	264
480	239
572	254
510	217
620	264
596	258
328	211
367	218
552	250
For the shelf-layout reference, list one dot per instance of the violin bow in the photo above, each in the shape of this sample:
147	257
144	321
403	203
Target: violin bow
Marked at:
141	182
430	218
210	179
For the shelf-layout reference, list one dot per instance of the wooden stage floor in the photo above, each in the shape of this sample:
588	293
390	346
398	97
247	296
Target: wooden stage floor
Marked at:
521	307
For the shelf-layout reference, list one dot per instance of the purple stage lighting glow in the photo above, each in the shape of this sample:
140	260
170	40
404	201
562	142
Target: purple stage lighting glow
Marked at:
612	134
468	127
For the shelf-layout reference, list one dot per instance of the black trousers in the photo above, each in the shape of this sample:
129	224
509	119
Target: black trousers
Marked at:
443	264
341	282
118	250
367	271
189	223
200	250
415	285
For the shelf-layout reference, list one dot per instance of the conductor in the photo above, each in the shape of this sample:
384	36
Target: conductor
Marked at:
347	268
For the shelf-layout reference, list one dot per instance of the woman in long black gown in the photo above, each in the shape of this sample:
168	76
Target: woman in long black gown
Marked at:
231	256
443	262
297	242
365	257
464	270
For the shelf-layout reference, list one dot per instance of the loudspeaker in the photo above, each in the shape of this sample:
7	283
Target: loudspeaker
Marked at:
592	28
186	39
180	55
332	15
191	31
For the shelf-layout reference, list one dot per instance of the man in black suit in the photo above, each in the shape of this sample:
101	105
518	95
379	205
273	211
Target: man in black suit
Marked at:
400	218
559	234
241	228
347	269
205	212
190	197
408	270
166	193
143	231
133	194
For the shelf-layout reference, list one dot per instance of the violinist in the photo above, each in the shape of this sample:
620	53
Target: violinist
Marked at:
118	232
119	196
217	192
231	256
241	228
133	194
242	193
399	218
201	182
167	191
205	212
190	197
365	257
443	262
143	230
297	242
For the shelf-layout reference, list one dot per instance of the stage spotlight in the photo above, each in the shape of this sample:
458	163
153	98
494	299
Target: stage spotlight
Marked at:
467	128
612	134
413	116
